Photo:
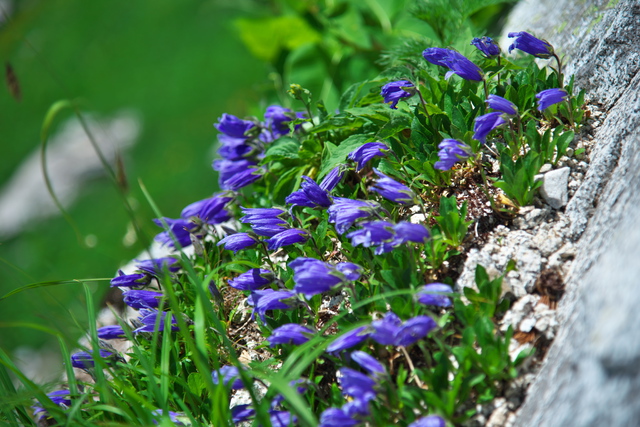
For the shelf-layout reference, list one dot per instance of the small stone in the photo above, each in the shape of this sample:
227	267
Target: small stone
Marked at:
546	168
554	188
527	324
569	152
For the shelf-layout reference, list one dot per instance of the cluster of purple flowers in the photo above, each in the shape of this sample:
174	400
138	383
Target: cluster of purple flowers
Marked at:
385	236
389	330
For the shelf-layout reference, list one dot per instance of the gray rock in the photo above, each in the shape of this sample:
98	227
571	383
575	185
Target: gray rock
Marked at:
554	189
591	375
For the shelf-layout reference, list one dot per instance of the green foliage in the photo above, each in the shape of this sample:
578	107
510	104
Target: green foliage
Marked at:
453	356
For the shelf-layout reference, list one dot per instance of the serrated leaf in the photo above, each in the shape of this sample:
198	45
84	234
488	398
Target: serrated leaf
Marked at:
282	148
333	155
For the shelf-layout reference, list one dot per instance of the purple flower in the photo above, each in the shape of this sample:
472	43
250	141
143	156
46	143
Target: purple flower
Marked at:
237	241
487	46
281	418
549	97
173	416
286	238
336	417
228	169
159	266
349	339
252	280
394	91
392	190
84	360
59	397
277	120
310	195
179	229
333	178
432	294
531	45
290	333
230	377
485	124
366	152
429	421
111	332
408	232
451	151
357	385
265	221
414	329
456	62
499	103
233	126
374	233
350	270
386	329
240	413
130	280
368	362
142	299
236	149
344	212
269	299
244	178
149	318
209	210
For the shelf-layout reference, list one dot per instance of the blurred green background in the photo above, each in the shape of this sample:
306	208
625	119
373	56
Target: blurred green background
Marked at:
178	65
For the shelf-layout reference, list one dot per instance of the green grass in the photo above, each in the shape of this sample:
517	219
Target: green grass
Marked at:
179	64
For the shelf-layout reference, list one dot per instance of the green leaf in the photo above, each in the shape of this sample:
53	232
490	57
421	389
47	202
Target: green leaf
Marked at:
333	155
282	148
339	122
266	37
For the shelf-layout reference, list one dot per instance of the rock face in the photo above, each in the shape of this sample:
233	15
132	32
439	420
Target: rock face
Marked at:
592	373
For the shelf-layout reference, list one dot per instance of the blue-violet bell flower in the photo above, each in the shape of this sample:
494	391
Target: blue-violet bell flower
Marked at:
211	210
241	413
550	97
414	329
310	195
344	212
332	179
373	233
244	178
429	421
233	126
228	169
434	294
277	120
286	238
142	299
180	231
230	376
392	92
349	339
59	397
336	417
456	62
238	241
157	267
368	362
501	104
175	417
290	333
312	276
487	46
451	152
252	280
386	329
149	318
408	232
268	299
84	360
531	45
366	152
130	280
265	222
485	124
110	332
392	190
357	385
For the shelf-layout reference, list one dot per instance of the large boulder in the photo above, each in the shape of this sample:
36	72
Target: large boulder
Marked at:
591	375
